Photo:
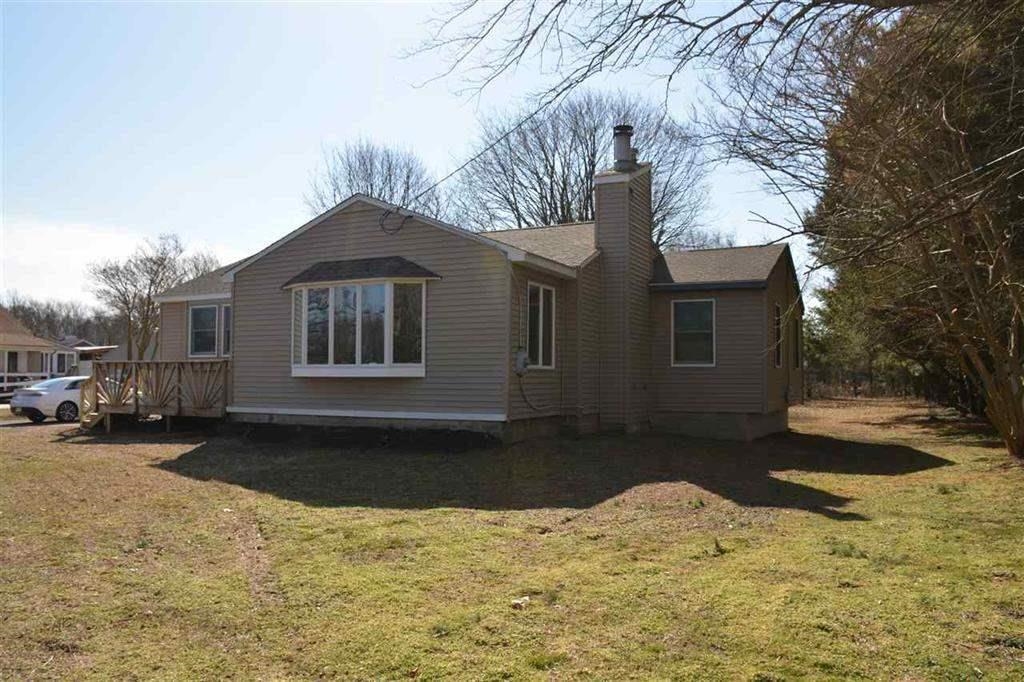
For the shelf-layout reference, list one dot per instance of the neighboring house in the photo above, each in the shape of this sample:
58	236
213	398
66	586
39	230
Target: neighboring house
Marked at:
26	358
371	315
88	352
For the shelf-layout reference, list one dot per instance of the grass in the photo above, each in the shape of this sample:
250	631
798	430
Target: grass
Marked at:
871	542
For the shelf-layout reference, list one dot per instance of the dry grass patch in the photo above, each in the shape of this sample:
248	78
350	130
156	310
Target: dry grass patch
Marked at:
874	541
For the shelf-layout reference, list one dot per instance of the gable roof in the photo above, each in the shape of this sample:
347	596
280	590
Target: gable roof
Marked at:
205	287
513	253
14	334
571	244
737	267
360	268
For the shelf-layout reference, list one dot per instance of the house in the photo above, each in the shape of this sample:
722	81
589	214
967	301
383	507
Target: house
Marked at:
371	315
88	352
26	358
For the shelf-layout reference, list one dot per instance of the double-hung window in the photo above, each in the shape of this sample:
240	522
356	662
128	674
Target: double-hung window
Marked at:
540	325
202	330
693	333
351	329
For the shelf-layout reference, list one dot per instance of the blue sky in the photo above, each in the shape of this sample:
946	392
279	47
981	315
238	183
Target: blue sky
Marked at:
124	121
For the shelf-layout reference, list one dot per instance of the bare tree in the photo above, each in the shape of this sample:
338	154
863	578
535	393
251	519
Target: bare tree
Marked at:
57	318
392	175
128	288
543	172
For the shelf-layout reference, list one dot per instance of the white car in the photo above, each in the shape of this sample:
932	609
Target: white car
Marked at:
51	398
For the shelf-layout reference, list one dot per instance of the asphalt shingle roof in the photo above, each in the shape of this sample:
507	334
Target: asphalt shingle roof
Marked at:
13	334
205	285
732	267
571	244
361	268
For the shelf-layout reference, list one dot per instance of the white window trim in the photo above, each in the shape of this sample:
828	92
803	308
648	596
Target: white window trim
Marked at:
388	368
216	331
714	333
220	330
777	325
540	332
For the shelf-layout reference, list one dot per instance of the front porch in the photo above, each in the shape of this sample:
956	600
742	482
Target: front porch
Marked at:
199	388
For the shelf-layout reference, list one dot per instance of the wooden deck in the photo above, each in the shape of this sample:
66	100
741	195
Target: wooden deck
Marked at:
198	388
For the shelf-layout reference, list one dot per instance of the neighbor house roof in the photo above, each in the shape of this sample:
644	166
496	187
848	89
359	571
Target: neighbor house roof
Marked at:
361	268
13	334
208	286
738	267
571	244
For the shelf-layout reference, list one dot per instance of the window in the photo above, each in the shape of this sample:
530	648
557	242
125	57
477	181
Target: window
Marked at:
62	363
73	385
202	333
693	333
359	329
777	335
12	361
225	330
540	325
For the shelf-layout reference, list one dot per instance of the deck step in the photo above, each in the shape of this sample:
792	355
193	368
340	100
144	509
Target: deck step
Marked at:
90	420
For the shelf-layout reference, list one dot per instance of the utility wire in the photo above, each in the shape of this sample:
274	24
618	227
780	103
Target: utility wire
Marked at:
461	167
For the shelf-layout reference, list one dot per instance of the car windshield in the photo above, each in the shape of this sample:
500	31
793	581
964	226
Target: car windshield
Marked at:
49	383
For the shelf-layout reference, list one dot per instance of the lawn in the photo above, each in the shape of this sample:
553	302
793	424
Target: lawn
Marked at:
872	541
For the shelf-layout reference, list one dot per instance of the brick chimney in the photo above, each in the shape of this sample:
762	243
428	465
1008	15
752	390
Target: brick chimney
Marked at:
622	231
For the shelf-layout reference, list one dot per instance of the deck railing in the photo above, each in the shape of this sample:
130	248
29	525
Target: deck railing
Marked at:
197	388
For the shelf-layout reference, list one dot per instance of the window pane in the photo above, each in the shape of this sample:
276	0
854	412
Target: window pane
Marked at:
317	322
345	325
204	330
12	361
372	324
693	332
226	340
62	362
533	325
297	327
548	313
408	324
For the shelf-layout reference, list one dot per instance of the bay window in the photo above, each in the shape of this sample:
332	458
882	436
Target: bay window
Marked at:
369	329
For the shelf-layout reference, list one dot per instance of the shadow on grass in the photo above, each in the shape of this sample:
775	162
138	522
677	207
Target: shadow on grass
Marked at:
949	425
544	474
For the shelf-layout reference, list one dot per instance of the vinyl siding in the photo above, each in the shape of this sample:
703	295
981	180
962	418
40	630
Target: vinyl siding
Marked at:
466	322
736	382
612	215
641	256
785	381
546	390
623	234
174	330
588	320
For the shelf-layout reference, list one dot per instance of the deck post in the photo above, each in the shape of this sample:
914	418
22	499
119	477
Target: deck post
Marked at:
107	418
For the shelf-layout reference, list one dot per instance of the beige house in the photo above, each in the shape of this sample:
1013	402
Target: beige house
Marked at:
371	315
26	359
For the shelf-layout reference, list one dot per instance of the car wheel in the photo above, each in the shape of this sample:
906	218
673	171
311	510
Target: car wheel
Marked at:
36	417
67	411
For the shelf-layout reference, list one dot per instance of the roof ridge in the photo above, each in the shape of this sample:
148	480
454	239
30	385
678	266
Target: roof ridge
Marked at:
724	248
541	227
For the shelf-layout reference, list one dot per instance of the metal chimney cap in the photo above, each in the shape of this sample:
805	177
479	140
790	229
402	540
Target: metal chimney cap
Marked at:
623	129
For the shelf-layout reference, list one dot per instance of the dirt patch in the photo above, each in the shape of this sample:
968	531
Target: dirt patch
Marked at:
255	560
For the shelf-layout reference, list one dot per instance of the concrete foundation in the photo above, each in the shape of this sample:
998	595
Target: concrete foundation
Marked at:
721	425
